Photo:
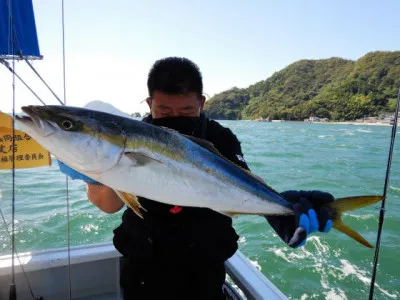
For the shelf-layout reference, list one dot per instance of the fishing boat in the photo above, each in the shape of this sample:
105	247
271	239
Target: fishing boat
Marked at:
86	271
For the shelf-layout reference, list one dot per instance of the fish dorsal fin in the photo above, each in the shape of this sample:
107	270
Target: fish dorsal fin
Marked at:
255	177
210	146
204	143
201	142
259	179
132	202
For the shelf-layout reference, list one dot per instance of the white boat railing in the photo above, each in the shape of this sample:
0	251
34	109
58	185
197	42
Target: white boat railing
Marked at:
250	280
94	271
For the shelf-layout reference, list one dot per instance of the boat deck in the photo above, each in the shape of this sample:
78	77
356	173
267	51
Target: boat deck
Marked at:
107	296
95	273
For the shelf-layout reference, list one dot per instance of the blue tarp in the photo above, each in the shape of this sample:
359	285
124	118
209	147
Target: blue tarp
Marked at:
22	22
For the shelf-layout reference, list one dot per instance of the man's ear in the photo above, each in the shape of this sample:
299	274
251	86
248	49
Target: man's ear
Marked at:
149	102
202	101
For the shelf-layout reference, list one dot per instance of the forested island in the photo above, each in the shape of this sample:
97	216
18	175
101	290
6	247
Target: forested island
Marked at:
336	89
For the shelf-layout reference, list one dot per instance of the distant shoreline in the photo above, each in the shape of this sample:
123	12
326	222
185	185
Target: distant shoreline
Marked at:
353	123
328	123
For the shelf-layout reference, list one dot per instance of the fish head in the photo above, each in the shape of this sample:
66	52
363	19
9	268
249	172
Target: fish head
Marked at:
88	141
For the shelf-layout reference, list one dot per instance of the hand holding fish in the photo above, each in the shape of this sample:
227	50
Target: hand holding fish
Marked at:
311	215
100	195
75	174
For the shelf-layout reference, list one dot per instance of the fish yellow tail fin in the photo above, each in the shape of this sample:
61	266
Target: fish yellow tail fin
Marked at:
132	202
351	203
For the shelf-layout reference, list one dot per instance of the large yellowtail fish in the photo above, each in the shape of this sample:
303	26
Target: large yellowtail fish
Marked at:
135	158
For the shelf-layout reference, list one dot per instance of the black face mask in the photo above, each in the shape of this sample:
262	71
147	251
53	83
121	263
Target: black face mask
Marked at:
184	125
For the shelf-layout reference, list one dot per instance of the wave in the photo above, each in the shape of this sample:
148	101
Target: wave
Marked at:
364	130
316	255
361	217
325	136
349	269
255	264
283	155
335	294
242	240
89	228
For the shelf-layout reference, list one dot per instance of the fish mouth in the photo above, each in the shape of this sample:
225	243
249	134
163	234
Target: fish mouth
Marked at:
24	119
33	121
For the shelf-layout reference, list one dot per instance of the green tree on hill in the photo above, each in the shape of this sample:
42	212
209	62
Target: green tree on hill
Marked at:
334	88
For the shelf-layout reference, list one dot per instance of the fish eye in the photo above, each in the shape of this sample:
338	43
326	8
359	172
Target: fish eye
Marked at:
67	124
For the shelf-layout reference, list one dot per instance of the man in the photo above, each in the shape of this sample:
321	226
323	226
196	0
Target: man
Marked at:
179	252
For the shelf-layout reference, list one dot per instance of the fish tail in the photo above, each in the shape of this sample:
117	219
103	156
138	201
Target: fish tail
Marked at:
339	206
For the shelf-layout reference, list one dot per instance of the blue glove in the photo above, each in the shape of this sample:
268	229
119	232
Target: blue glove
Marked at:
310	216
75	174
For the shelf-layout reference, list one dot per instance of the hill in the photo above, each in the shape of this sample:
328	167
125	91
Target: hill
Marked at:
334	88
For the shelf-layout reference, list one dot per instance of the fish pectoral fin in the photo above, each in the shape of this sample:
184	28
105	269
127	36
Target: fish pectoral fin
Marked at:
140	159
132	202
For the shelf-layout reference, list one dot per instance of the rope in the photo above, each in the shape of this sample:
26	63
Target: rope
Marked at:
19	260
13	293
66	177
382	210
7	65
44	82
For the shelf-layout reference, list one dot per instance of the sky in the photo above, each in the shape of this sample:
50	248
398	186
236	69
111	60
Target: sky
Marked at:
111	45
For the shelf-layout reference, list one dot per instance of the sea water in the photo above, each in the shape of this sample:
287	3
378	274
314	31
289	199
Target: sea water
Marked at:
345	160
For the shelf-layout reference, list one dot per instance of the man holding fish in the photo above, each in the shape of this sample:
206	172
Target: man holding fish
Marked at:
182	177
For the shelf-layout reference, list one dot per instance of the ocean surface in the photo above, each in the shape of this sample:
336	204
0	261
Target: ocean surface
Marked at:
344	160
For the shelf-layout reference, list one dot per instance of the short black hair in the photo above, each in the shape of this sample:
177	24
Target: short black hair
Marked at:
175	75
